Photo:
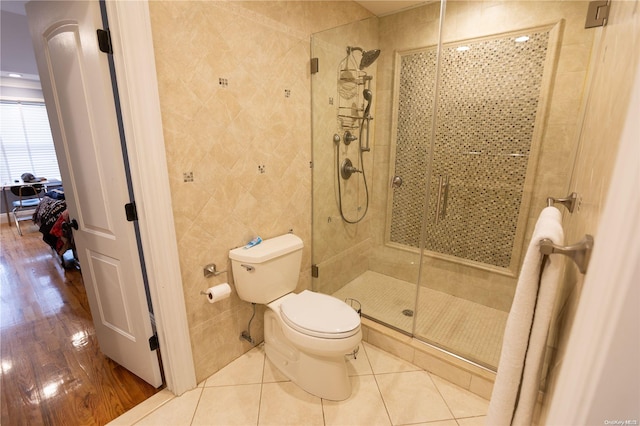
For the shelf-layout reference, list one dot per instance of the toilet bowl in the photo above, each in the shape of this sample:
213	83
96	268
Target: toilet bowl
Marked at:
307	350
308	334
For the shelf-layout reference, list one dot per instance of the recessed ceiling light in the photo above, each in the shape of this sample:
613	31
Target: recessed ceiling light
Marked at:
522	39
15	75
462	48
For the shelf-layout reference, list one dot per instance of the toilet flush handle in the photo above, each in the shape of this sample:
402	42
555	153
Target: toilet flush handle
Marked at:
249	268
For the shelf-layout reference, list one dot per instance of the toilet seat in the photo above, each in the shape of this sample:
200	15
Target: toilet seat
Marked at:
319	315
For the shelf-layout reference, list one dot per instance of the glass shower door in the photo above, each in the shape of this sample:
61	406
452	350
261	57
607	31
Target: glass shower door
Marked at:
487	126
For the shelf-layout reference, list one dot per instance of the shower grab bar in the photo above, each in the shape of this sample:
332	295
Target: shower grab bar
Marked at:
579	252
569	201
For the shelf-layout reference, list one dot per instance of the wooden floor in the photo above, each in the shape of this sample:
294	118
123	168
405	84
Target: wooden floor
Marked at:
53	372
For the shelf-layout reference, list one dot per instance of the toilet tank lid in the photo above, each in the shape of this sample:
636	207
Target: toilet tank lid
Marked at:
267	249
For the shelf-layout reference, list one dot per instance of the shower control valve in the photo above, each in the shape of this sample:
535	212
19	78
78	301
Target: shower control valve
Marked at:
347	169
349	137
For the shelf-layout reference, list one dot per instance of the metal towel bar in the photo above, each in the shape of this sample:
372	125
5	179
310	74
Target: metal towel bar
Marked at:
579	252
569	201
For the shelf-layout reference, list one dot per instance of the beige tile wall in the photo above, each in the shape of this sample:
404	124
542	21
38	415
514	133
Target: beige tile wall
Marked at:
614	61
234	86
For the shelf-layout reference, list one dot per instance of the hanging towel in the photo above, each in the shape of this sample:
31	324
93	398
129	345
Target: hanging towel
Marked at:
525	338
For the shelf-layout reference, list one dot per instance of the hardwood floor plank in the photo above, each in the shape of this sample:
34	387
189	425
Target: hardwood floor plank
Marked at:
19	388
53	372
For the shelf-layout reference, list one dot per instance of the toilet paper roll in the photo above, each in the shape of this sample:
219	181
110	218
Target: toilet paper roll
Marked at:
218	292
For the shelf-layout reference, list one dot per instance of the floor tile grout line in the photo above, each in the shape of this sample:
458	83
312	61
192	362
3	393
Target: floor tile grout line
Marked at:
430	375
375	378
264	365
471	417
195	410
435	385
324	418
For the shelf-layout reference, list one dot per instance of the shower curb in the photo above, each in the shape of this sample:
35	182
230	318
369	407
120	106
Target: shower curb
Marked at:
472	377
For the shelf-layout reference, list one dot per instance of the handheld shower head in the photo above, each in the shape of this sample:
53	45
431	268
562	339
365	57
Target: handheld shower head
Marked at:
368	96
368	56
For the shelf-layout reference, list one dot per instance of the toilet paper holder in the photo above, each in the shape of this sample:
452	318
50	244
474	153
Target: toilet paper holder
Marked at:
210	270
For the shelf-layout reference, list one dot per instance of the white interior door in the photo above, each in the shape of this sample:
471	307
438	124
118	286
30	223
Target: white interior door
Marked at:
76	84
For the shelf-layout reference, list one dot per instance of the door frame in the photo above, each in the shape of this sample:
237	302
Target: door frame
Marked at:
134	60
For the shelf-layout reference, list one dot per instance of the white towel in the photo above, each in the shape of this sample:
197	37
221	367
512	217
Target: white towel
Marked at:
525	338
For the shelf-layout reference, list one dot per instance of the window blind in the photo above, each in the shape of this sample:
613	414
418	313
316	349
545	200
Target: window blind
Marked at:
26	144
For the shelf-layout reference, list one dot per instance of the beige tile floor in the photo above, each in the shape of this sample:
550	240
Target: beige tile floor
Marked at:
250	391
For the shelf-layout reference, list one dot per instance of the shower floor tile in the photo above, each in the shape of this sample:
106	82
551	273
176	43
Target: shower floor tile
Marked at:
468	329
382	297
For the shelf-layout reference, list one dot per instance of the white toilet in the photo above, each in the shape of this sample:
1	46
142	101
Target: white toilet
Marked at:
306	335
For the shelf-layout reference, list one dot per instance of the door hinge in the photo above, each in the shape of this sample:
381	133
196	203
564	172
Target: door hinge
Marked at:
597	14
315	66
153	342
104	41
314	271
131	212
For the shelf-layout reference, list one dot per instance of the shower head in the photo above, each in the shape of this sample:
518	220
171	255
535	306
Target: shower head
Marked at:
368	56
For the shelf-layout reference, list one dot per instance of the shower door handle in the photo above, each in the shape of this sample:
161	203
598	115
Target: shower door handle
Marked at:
396	182
443	198
438	199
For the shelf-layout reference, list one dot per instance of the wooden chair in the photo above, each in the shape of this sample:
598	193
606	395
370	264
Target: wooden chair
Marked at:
29	197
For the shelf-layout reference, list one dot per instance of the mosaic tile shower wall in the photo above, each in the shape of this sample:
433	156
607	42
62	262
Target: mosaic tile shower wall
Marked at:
485	121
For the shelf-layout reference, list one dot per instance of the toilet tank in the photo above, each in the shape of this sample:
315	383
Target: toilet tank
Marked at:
268	270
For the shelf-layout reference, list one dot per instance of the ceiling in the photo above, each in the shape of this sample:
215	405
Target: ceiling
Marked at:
16	50
377	7
17	53
385	7
13	6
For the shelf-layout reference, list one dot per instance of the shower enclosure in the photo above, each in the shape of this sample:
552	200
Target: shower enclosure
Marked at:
470	111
